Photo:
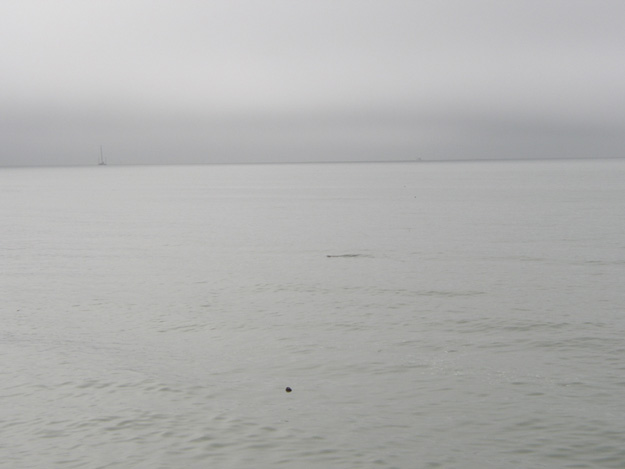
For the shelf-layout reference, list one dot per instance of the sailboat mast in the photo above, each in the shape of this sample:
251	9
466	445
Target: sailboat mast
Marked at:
101	162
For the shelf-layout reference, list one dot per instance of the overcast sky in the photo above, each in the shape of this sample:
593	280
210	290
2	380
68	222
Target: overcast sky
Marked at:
191	81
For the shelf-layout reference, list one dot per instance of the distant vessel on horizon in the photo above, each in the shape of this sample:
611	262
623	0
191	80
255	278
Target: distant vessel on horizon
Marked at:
101	161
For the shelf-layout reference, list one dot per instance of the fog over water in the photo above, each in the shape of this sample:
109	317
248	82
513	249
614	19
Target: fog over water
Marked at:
247	81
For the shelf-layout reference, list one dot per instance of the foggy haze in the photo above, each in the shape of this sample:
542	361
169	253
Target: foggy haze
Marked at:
248	81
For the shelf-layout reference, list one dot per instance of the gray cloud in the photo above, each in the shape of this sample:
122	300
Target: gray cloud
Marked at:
357	134
165	82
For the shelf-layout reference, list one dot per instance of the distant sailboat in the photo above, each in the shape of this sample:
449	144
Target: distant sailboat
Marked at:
101	161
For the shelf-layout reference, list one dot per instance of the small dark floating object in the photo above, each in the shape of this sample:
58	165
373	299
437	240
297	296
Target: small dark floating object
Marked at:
288	389
344	255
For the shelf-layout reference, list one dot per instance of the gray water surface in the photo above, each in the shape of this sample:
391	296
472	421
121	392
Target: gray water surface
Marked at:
453	315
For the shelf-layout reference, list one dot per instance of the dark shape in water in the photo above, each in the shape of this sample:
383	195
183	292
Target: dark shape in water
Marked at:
288	389
344	255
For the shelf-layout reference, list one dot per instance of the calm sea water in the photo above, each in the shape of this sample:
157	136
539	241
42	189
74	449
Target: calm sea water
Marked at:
470	315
